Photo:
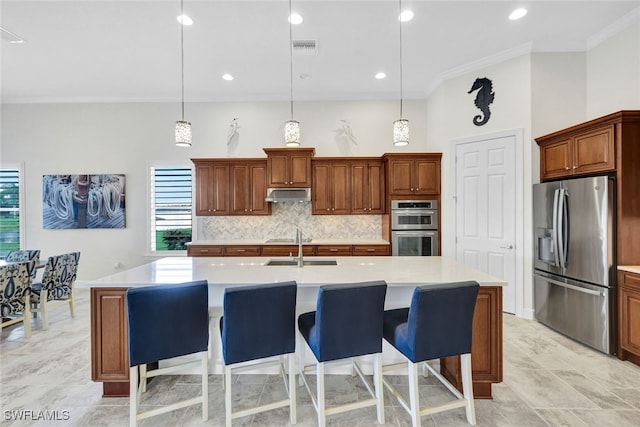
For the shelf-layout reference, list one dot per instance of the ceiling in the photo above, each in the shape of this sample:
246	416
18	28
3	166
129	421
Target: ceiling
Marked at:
103	51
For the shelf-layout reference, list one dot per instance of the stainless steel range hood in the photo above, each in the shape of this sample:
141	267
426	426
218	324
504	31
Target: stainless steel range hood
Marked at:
288	195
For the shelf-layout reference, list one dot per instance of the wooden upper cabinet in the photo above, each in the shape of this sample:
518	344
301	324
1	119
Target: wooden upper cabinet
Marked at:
331	188
577	152
629	316
367	187
212	188
249	188
413	174
289	167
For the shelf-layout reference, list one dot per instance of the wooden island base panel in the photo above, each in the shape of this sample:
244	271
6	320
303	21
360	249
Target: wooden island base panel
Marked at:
109	350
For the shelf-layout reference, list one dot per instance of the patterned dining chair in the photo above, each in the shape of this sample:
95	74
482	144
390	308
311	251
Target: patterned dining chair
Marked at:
23	256
15	283
56	287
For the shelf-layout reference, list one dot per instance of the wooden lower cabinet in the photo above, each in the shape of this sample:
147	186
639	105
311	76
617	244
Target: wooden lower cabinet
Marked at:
333	250
204	250
241	251
486	349
371	250
629	316
109	338
287	250
109	343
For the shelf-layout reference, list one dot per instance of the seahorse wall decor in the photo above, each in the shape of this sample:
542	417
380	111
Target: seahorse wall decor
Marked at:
484	97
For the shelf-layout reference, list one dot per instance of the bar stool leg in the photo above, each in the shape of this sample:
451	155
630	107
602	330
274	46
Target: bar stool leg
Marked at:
414	397
467	387
300	350
292	388
377	377
227	395
320	394
133	396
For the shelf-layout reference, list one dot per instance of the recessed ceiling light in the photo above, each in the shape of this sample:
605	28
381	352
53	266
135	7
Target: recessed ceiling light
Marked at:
380	76
406	16
227	77
184	20
517	14
295	19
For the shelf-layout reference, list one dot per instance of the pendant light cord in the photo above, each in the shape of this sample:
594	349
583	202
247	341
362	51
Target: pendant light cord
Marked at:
182	53
291	59
400	19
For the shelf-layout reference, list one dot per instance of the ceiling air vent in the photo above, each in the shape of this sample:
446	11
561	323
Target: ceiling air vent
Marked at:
305	47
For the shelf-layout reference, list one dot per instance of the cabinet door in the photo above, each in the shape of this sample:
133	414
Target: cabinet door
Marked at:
109	336
204	250
334	250
278	170
371	250
556	160
321	194
204	189
375	188
629	314
340	189
594	151
359	190
427	177
299	166
258	206
240	189
400	177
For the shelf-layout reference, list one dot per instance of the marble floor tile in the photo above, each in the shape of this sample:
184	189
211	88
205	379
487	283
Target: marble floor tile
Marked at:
549	380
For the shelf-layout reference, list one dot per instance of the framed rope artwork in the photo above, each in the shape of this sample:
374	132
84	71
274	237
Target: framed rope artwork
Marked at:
83	201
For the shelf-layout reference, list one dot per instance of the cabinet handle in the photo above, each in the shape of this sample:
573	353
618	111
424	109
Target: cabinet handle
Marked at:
371	250
411	188
245	210
333	209
575	167
333	250
418	189
214	210
328	209
567	168
204	250
240	250
250	210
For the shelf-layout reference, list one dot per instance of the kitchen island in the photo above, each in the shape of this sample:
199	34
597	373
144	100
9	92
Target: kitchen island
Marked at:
109	355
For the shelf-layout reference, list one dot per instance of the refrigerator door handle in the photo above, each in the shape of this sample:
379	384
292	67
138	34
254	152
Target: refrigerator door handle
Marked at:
554	232
561	229
573	287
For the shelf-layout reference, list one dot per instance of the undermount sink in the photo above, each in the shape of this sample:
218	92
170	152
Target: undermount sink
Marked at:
276	262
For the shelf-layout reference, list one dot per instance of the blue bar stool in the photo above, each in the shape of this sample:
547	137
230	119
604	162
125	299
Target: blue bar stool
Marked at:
258	325
347	323
167	321
437	324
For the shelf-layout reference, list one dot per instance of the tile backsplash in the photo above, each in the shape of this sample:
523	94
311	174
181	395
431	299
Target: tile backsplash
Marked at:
282	223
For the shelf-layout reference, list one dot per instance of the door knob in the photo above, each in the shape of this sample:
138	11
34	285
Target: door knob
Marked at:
506	247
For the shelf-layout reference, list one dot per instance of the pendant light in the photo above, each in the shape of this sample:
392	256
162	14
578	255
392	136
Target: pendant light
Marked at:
183	128
400	126
291	127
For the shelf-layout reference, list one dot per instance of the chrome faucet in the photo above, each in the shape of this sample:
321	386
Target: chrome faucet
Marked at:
299	258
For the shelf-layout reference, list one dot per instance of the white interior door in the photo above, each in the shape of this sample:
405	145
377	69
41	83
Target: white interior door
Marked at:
486	209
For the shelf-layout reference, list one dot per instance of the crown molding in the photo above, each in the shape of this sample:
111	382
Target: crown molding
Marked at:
487	61
613	29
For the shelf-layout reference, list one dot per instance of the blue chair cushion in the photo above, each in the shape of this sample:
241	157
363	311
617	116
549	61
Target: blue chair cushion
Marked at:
347	321
438	323
258	321
167	321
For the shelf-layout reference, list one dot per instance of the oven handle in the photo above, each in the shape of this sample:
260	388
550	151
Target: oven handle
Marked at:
414	232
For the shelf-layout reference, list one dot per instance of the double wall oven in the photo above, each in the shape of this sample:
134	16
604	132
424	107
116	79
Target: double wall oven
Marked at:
414	227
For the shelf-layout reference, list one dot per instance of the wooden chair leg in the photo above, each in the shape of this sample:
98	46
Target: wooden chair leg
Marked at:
292	389
467	387
205	386
322	418
133	396
414	395
227	395
379	387
72	305
27	317
43	308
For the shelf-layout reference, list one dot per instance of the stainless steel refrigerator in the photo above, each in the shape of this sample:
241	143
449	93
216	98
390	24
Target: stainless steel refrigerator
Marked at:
574	259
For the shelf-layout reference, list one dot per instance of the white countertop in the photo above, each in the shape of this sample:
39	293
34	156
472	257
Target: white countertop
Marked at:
312	242
630	268
395	270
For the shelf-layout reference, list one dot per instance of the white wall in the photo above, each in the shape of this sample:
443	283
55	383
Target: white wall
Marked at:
124	138
450	111
613	73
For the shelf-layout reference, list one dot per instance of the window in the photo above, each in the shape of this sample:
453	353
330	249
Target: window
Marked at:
10	215
171	208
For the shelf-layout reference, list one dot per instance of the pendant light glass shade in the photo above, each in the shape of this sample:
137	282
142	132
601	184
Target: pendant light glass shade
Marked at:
183	128
401	132
291	127
400	126
183	133
292	133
